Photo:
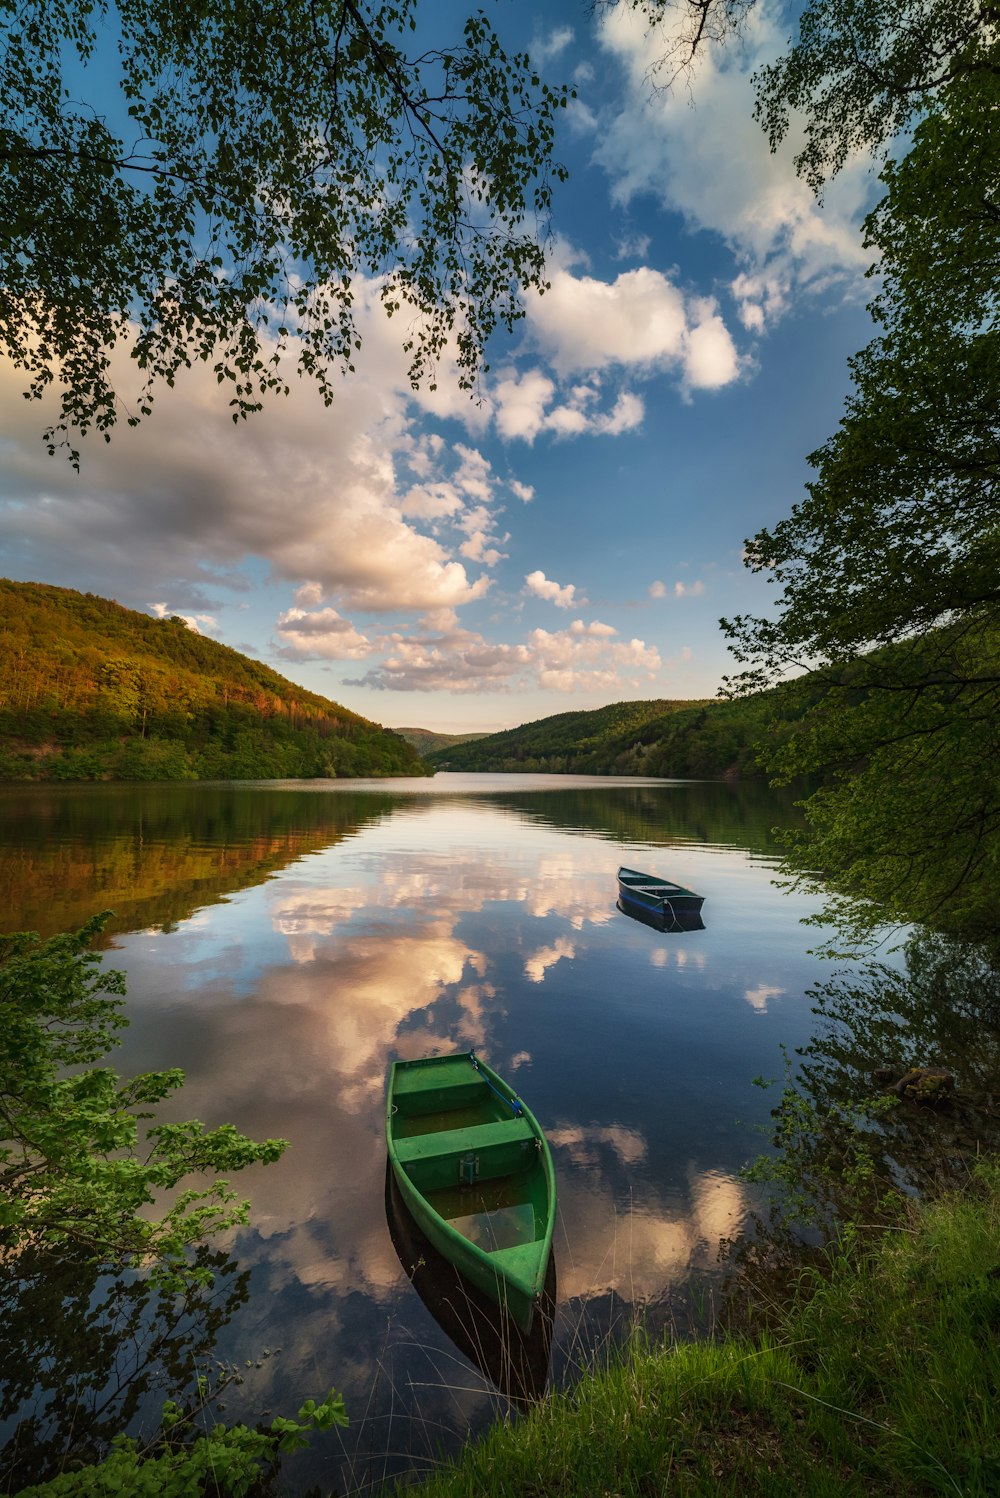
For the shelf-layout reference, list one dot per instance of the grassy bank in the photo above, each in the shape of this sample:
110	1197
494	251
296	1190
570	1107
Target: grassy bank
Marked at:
882	1376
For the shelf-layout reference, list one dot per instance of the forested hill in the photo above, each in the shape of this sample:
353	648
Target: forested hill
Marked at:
90	690
426	739
661	737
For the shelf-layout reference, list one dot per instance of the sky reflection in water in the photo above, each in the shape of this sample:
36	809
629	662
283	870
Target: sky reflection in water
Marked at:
451	920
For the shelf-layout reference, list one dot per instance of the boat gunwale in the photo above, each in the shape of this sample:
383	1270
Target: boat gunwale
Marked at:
661	891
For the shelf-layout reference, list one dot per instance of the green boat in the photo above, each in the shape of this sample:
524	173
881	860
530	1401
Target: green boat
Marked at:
475	1171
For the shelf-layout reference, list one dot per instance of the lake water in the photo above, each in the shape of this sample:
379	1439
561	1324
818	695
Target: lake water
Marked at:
283	942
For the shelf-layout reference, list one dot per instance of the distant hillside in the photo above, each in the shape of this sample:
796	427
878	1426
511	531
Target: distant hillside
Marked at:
424	740
90	690
700	739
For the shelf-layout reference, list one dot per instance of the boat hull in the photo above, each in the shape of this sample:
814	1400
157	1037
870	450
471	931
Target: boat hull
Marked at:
475	1171
681	920
516	1362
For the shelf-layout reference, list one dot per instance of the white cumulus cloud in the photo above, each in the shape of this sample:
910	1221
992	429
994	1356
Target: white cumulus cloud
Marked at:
581	658
587	660
562	595
639	321
312	492
319	635
700	152
529	402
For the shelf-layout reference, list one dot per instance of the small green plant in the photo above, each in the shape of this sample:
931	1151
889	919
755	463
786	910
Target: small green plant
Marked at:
231	1460
81	1156
82	1160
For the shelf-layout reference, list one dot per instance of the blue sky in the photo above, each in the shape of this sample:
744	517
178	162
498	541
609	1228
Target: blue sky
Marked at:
573	538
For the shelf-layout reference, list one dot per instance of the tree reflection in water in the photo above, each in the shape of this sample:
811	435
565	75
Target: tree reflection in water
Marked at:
86	1354
844	1141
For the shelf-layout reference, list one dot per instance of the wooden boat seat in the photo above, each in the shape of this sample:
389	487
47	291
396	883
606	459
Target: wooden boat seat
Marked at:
437	1074
433	1160
438	1092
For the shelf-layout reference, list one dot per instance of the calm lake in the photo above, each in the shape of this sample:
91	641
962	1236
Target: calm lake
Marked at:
284	941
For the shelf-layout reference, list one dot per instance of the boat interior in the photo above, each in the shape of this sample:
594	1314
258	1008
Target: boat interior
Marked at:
457	1132
651	887
474	1160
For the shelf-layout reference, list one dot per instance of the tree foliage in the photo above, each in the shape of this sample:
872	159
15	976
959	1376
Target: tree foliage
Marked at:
888	572
82	1162
889	569
579	742
230	1460
898	534
687	739
80	1159
856	74
212	182
862	72
684	28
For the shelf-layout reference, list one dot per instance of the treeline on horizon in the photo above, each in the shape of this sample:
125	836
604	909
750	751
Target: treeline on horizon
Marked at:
90	690
425	740
706	739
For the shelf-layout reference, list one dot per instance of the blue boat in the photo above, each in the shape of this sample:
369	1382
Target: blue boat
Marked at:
667	904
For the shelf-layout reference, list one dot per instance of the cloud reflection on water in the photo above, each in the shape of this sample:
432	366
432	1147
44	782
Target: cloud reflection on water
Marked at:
439	927
312	1047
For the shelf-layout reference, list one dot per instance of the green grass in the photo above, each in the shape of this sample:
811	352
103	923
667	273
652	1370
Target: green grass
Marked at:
882	1377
